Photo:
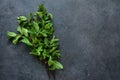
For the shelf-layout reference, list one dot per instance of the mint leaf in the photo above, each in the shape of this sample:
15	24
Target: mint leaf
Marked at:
36	26
24	31
15	40
48	26
39	14
26	41
46	42
50	62
22	18
51	16
55	65
11	34
19	29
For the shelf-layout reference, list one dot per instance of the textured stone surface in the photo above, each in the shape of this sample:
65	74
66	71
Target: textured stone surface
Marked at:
89	33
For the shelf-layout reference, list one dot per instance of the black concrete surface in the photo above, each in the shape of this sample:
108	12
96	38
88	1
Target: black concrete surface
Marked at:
89	33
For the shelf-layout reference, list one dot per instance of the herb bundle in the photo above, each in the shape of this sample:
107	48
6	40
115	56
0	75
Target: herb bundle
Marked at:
36	32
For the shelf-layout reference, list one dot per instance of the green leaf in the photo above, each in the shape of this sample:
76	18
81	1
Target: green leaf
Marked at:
53	40
26	41
56	65
48	25
19	29
55	44
39	50
48	21
11	34
42	9
43	33
45	54
36	26
24	31
32	31
16	39
43	23
39	14
56	54
22	18
50	62
34	53
51	16
53	48
30	16
46	41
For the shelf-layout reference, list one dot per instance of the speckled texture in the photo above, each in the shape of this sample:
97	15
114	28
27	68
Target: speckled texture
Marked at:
89	33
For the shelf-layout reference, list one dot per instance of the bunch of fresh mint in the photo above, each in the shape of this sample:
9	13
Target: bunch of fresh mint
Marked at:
36	32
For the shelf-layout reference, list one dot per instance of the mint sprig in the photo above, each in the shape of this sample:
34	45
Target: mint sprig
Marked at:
36	32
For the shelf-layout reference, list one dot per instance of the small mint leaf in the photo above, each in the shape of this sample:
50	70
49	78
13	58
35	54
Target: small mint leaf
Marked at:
56	65
11	34
36	26
16	39
26	41
24	31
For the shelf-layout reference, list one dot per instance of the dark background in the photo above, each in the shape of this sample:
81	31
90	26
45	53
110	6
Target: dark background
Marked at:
89	33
